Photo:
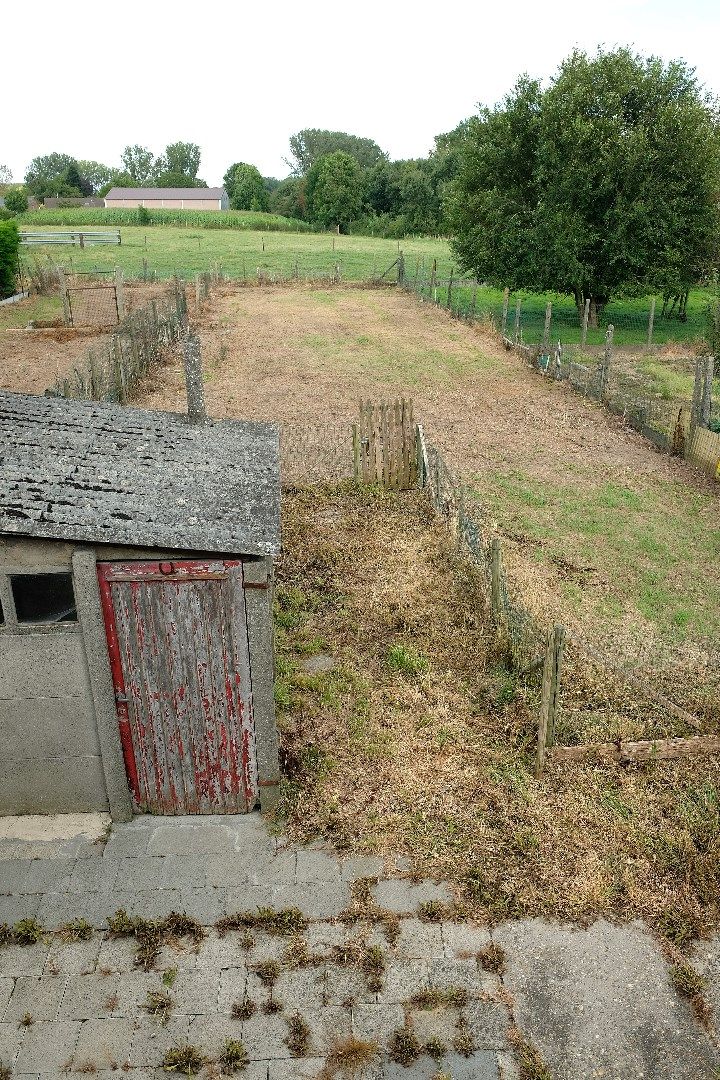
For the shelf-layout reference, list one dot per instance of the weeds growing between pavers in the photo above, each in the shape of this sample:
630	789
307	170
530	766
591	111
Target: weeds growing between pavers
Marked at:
433	998
151	935
530	1065
404	1047
243	1010
298	1036
491	958
349	1056
440	768
188	1060
693	986
285	922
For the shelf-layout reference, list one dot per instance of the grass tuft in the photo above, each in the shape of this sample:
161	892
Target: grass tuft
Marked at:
243	1010
151	935
451	997
27	932
233	1057
267	971
492	958
434	911
351	1055
187	1059
404	1046
530	1064
406	660
298	1037
77	930
159	1003
435	1048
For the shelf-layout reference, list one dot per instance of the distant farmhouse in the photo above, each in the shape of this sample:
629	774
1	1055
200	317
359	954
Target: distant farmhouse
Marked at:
168	198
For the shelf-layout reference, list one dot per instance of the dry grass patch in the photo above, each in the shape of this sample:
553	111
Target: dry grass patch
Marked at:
439	765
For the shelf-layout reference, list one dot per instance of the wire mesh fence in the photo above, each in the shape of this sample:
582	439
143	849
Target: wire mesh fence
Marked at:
112	372
526	318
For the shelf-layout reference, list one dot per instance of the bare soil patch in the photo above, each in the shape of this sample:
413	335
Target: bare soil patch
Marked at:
32	359
635	528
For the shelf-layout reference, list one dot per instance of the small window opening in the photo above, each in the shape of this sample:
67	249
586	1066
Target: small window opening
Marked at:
43	598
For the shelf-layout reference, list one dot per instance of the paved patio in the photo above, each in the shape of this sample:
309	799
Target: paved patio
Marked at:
595	1002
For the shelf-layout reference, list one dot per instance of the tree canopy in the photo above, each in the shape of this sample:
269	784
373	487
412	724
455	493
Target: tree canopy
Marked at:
246	187
605	183
56	174
310	144
139	164
335	190
181	158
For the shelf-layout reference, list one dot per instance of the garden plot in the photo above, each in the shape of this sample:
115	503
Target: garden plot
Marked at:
36	348
599	528
403	733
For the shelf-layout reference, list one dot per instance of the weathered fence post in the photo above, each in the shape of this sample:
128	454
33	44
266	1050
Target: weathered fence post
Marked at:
197	293
193	380
550	695
517	322
433	275
423	465
474	302
506	301
606	363
585	318
546	328
67	319
119	294
401	270
450	285
496	597
651	323
356	453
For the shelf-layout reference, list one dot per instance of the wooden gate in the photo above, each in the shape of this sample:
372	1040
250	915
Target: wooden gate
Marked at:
385	445
177	639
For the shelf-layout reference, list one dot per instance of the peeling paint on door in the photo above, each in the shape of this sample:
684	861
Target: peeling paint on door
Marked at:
177	638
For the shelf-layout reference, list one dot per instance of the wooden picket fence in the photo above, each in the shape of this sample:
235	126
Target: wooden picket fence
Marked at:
385	445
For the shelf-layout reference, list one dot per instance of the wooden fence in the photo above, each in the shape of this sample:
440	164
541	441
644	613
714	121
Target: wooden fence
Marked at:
385	446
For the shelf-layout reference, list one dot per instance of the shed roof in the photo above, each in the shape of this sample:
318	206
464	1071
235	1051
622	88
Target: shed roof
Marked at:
186	193
101	473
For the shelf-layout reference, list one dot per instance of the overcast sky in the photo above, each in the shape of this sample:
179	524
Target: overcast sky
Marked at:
240	78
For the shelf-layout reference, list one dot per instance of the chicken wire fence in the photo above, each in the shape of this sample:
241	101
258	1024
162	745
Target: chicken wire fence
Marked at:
112	371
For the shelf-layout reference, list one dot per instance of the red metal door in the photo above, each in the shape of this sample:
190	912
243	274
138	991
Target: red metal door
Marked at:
177	639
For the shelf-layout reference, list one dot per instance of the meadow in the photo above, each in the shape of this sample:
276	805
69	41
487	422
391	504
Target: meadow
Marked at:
186	243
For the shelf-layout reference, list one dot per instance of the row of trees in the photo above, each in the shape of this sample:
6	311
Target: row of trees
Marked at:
62	175
606	181
337	179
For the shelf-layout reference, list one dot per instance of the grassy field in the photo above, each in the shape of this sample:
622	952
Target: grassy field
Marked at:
629	317
241	253
13	316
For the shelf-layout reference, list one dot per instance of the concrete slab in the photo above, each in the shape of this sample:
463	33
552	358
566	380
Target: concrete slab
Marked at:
36	996
403	896
598	1002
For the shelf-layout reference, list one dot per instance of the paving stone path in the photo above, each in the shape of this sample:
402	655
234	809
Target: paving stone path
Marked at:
596	1003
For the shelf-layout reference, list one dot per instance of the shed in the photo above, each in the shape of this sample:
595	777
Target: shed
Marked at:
168	198
136	557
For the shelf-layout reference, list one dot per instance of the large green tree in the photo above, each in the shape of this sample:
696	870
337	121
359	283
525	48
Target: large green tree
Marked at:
335	190
310	144
54	174
96	174
139	163
605	183
246	187
9	247
182	158
289	198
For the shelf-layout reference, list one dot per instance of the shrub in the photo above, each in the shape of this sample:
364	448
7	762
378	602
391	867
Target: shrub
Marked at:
16	201
9	246
143	215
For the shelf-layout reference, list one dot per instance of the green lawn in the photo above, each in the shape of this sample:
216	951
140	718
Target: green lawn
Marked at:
629	318
240	253
14	316
652	540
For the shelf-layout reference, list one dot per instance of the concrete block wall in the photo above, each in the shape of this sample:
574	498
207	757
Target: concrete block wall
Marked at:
50	760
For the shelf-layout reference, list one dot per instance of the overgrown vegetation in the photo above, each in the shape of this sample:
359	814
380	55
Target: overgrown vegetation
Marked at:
9	247
188	1060
441	769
